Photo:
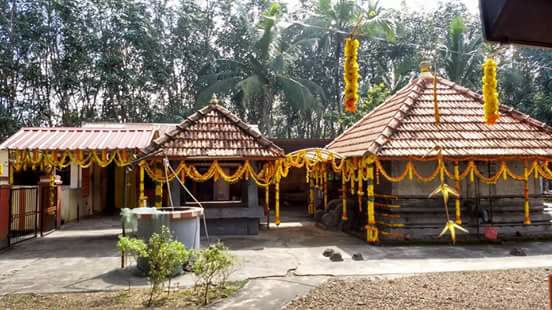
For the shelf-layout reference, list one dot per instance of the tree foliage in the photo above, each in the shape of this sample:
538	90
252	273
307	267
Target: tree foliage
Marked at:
274	64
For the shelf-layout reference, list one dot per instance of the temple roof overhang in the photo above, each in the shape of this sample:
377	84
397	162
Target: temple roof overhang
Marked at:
404	126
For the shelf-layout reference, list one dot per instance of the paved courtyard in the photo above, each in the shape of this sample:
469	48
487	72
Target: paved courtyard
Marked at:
83	256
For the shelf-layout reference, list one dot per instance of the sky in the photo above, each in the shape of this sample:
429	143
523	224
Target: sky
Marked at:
472	5
429	5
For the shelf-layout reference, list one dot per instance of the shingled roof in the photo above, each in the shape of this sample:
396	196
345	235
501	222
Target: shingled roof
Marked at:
404	125
104	137
214	132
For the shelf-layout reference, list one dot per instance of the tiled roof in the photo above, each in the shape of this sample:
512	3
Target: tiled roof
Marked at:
214	132
404	125
74	138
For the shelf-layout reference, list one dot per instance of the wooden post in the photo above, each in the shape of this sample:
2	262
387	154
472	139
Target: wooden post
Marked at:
158	191
492	190
325	187
458	207
344	216
277	201
526	216
312	206
372	233
142	199
477	202
267	205
360	188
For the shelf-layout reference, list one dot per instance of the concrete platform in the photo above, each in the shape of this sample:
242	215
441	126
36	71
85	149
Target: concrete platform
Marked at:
83	257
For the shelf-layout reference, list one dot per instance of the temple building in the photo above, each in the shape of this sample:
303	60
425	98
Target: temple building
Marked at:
402	153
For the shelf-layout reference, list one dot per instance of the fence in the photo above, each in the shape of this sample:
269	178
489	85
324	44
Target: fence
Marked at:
24	214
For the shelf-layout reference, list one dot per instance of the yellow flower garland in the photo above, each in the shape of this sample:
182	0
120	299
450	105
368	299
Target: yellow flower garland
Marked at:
350	74
63	159
490	94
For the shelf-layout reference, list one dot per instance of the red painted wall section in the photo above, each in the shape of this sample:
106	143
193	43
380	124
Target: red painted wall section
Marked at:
4	214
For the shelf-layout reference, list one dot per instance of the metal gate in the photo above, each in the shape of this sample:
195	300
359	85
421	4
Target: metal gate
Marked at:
24	214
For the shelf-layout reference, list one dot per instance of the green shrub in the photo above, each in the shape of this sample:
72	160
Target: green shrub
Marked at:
164	256
211	267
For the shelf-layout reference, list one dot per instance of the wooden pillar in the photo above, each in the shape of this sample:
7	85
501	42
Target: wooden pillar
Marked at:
360	188
344	215
372	233
267	205
142	199
158	194
267	200
457	202
526	215
49	206
277	201
311	207
325	187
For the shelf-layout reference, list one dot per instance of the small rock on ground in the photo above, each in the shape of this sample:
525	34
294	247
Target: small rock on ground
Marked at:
518	252
336	257
328	252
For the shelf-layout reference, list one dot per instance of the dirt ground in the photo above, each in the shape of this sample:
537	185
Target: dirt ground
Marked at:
506	289
135	298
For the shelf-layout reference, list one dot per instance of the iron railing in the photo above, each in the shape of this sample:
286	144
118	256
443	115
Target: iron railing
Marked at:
24	214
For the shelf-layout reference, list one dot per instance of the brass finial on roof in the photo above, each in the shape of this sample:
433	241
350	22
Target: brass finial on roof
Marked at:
214	100
425	68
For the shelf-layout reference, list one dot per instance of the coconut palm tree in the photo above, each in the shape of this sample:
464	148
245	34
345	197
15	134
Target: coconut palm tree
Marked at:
462	56
261	79
333	21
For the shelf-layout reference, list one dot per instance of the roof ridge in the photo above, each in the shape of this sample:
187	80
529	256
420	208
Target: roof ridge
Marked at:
234	119
398	117
374	110
246	127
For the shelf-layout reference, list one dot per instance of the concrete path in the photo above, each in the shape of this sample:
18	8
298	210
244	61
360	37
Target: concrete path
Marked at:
83	257
269	293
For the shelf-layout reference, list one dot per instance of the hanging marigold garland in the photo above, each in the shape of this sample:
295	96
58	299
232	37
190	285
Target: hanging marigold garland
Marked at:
23	159
435	101
350	74
490	94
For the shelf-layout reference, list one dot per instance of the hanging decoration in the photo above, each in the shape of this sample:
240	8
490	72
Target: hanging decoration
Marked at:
435	102
490	94
350	74
450	225
46	160
537	169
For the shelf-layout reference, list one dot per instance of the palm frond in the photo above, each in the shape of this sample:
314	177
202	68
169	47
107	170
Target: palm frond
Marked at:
296	93
219	87
251	87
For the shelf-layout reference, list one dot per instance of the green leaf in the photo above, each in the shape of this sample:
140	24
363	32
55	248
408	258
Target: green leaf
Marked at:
220	87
